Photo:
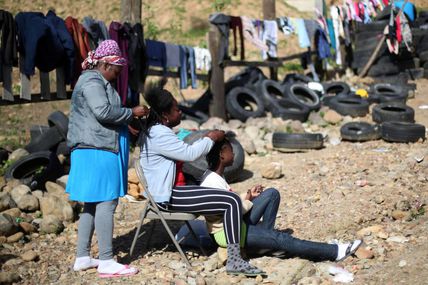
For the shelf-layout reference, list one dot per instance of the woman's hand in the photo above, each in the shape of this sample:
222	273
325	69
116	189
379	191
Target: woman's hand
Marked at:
140	111
133	131
215	135
254	192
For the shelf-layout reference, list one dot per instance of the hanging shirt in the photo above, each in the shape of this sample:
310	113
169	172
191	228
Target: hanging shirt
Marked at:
304	41
97	31
236	24
250	34
156	53
285	25
172	55
202	58
270	37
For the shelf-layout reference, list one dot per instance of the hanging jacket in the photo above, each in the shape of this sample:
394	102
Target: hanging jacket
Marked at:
138	64
121	34
236	24
96	30
156	53
81	45
43	42
8	47
222	22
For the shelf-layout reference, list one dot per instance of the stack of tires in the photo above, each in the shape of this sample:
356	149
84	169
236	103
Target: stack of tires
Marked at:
394	120
42	164
367	37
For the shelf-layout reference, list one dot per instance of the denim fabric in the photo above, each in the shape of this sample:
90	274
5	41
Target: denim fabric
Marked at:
264	236
266	206
187	64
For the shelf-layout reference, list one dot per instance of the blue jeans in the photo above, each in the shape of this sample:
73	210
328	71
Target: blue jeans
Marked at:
264	236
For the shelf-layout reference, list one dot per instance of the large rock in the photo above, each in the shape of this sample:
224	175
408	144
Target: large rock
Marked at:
17	154
15	237
9	277
27	227
214	123
28	203
19	191
8	225
13	212
332	117
247	144
56	206
51	225
252	132
272	171
55	189
29	255
62	181
6	201
132	176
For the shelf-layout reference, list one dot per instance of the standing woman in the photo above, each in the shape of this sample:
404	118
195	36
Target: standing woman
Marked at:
161	148
98	137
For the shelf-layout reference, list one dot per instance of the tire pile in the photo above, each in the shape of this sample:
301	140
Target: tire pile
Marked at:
42	163
413	65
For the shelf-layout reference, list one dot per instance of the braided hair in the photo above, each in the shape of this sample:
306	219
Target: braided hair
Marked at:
160	101
213	157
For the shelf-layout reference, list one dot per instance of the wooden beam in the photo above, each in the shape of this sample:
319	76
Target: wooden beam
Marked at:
174	74
217	105
131	11
35	98
252	63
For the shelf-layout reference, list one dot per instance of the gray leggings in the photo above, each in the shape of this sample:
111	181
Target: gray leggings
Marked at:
96	216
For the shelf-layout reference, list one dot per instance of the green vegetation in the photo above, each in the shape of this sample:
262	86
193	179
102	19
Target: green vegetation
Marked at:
5	166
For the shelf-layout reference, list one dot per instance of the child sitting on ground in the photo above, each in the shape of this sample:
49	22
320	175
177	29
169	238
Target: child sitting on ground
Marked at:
256	204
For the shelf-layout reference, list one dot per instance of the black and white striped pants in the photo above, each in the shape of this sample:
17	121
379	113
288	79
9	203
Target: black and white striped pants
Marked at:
210	201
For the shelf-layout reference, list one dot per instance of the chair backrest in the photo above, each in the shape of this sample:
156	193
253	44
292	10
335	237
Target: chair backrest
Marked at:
143	181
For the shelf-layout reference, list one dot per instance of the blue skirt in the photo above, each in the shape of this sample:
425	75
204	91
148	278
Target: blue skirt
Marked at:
99	175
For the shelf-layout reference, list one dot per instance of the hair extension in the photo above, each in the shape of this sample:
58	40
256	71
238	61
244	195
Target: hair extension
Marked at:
213	157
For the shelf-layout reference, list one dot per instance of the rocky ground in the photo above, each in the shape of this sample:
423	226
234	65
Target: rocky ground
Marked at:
375	190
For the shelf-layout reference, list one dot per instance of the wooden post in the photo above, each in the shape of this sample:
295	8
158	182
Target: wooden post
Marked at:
269	14
131	11
217	105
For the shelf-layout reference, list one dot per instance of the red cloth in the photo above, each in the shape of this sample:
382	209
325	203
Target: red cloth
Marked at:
398	29
180	180
81	44
236	23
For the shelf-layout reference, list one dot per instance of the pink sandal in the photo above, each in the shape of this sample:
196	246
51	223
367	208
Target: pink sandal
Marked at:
120	273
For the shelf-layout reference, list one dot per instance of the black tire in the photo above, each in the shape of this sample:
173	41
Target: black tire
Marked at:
423	56
290	110
352	106
389	92
243	103
402	132
383	69
45	141
359	132
336	88
297	141
63	149
37	130
271	91
35	169
296	78
392	111
303	95
189	113
59	120
250	77
197	168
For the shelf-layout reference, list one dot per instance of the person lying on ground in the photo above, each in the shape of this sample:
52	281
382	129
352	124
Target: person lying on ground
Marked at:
257	204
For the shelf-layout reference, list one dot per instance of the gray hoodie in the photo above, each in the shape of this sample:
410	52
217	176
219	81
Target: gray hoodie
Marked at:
96	115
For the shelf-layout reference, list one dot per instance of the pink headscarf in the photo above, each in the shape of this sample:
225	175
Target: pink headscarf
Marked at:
107	51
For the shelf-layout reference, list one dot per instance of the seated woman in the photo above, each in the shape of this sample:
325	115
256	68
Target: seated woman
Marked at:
257	204
161	148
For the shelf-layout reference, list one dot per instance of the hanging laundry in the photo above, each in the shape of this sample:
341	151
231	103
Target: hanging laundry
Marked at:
270	37
156	53
121	34
138	64
285	25
251	35
409	9
304	41
172	55
311	27
45	42
187	60
97	31
337	24
8	47
321	44
81	45
236	24
202	58
222	22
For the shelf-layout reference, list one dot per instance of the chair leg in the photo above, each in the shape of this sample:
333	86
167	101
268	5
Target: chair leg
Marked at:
196	238
177	245
137	232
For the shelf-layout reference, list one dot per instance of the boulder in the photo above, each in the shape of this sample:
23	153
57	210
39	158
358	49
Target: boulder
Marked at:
62	181
51	225
19	191
13	212
8	225
332	117
27	227
28	203
272	171
15	237
55	189
6	201
9	277
56	206
29	255
252	132
17	154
